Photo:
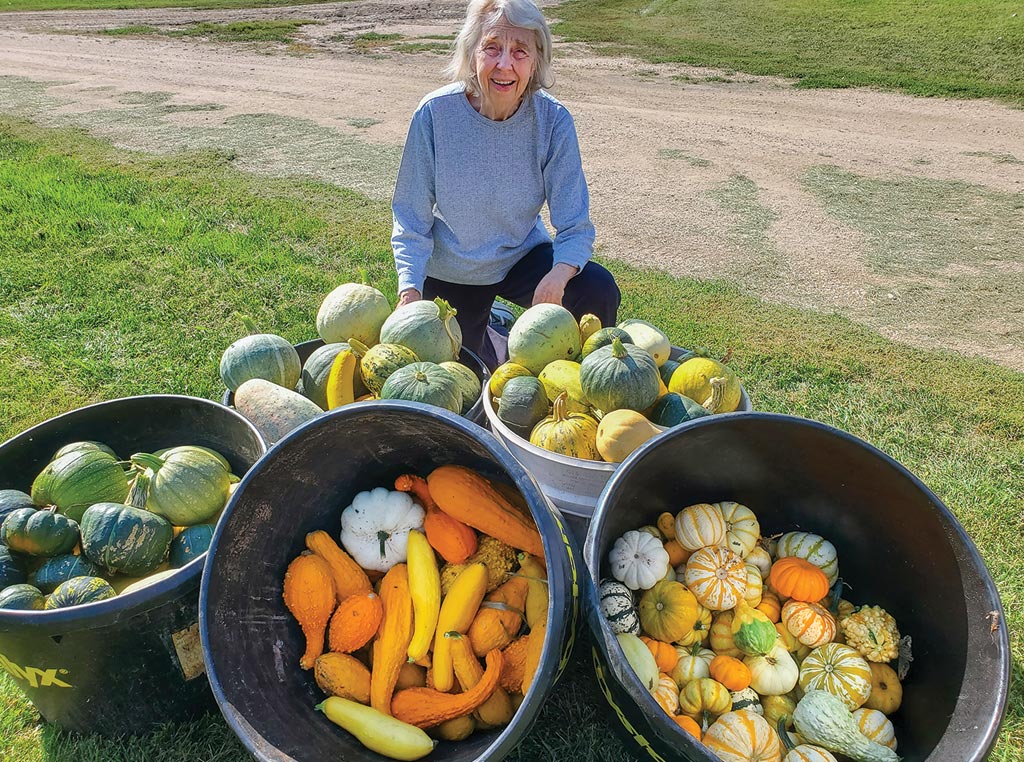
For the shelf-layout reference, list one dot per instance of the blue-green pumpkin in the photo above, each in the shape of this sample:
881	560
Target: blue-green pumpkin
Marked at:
187	486
124	539
469	383
22	597
667	369
39	532
620	377
12	572
79	590
523	404
673	409
12	500
190	543
428	328
79	478
603	338
60	569
425	383
84	445
260	355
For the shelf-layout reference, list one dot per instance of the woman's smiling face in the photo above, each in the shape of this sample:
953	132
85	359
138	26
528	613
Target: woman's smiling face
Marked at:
505	60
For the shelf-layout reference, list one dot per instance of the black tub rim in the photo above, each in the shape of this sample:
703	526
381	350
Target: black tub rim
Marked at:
603	636
120	607
548	522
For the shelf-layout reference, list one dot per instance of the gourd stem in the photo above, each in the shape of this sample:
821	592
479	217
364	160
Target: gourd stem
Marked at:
558	412
714	402
358	347
364	276
140	490
145	460
383	536
446	313
784	734
618	349
421	377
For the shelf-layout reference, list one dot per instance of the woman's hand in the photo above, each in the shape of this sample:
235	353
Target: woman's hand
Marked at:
408	296
552	286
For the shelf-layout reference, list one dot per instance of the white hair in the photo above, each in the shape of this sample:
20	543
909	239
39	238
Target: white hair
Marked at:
483	14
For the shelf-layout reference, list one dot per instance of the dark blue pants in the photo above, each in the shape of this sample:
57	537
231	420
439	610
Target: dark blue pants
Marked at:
592	290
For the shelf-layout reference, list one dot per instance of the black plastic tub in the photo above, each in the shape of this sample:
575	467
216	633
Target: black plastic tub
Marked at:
252	644
124	665
899	547
466	357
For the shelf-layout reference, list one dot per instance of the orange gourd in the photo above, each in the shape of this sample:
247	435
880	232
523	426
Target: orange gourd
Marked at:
798	579
496	711
500	617
677	554
309	596
688	724
810	623
343	675
534	649
514	664
473	500
391	647
349	577
447	535
667	525
665	655
355	622
730	672
770	606
425	707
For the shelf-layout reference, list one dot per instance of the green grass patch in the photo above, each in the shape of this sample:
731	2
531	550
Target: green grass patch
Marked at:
54	5
120	274
950	48
282	31
134	29
439	48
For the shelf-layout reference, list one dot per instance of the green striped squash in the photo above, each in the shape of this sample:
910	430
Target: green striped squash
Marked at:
79	478
22	597
261	355
124	539
79	590
85	445
426	383
60	569
377	363
469	383
186	486
571	434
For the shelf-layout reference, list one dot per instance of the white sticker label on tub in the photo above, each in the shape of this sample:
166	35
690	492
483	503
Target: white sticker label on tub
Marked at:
190	651
34	676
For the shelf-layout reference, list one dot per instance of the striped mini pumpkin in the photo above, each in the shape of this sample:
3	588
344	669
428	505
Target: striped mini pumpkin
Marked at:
810	547
617	607
694	663
722	641
741	527
876	726
717	577
700	526
667	694
760	558
805	752
743	736
840	670
755	586
810	623
701	630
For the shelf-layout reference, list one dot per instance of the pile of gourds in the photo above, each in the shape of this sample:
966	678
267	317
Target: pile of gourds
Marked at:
93	526
597	393
459	576
742	639
369	353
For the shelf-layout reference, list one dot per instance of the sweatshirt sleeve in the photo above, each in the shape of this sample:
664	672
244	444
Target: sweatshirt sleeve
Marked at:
412	205
567	196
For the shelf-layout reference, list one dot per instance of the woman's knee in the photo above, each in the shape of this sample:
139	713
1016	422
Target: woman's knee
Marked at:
594	290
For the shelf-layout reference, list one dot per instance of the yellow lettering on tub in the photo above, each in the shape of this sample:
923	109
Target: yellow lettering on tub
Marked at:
567	651
601	681
34	676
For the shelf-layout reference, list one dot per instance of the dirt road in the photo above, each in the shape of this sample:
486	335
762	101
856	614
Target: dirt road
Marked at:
906	214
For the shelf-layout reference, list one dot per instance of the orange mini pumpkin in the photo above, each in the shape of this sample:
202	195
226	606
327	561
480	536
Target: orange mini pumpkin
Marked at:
665	655
688	724
355	622
798	579
770	606
730	672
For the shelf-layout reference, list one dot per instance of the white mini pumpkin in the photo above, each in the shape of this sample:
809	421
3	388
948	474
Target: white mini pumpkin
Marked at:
638	560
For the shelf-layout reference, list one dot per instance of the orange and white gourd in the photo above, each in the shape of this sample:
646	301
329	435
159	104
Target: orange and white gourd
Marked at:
743	736
810	623
760	558
810	547
717	577
755	586
667	694
699	526
741	527
840	670
876	726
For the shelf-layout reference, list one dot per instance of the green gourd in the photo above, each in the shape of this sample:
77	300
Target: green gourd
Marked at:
822	719
79	478
11	570
84	445
78	591
184	448
428	328
60	569
426	383
317	368
523	404
13	499
260	355
377	363
603	338
571	434
352	310
190	544
39	532
620	376
673	409
186	486
469	383
22	597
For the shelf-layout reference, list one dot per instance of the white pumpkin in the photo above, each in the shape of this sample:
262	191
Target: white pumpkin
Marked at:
638	560
694	662
375	528
774	673
741	527
760	558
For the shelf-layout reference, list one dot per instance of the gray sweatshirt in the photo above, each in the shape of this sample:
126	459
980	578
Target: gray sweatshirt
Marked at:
469	192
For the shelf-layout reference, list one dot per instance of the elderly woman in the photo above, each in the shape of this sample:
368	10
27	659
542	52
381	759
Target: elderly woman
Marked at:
483	156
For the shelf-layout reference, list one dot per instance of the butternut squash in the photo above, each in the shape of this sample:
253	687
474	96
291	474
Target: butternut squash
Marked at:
425	588
391	647
355	622
514	665
425	708
473	500
342	675
537	589
500	617
309	596
496	711
458	609
349	577
447	535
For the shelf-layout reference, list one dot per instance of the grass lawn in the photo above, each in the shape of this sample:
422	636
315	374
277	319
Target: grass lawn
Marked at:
951	48
120	275
236	31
